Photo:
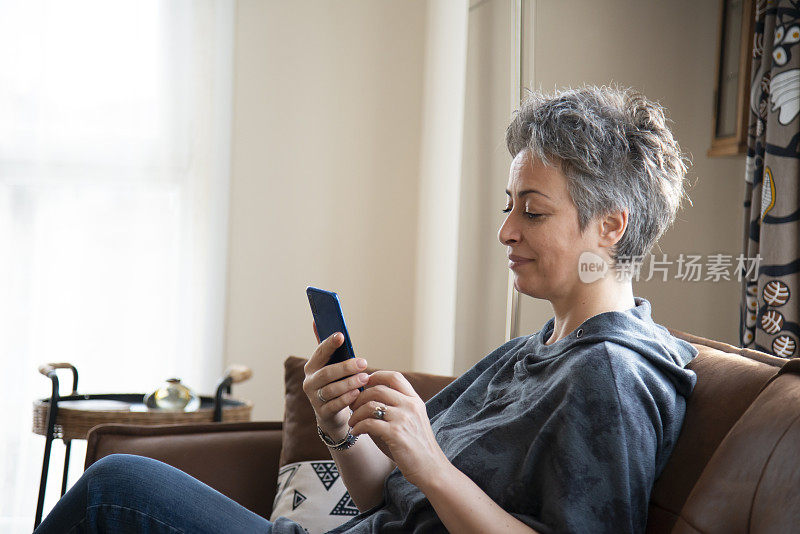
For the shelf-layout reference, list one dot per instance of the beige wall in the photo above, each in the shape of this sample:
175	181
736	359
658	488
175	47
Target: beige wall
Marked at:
328	125
325	159
665	49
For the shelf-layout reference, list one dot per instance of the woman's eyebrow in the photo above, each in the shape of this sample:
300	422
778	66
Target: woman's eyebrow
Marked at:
528	191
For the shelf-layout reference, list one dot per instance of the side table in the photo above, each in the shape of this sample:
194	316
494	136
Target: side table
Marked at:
72	416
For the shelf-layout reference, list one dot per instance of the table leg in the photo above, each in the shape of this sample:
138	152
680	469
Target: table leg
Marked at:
68	445
52	413
43	482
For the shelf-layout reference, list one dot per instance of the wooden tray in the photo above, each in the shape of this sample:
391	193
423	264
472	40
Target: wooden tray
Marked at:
77	414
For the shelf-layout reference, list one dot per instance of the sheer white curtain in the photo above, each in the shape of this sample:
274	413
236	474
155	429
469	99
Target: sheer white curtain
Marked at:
114	172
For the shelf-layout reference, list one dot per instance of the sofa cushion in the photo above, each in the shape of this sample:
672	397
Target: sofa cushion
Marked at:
728	380
300	440
751	482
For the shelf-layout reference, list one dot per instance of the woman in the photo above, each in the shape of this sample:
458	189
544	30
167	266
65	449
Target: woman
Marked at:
564	430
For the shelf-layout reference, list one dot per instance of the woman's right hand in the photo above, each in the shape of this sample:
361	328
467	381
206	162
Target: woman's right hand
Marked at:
333	408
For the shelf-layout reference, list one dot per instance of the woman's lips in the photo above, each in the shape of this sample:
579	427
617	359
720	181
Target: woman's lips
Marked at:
517	261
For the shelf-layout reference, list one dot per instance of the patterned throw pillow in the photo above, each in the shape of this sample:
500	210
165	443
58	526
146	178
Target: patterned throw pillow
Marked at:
313	495
310	491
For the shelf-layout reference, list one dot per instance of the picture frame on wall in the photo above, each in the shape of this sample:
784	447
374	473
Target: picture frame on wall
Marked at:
732	78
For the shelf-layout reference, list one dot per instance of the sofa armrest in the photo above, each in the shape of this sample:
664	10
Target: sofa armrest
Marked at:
239	460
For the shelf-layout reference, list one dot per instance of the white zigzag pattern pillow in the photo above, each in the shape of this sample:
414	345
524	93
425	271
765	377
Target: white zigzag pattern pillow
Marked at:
313	495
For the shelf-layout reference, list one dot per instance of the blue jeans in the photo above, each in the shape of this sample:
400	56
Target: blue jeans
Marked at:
122	494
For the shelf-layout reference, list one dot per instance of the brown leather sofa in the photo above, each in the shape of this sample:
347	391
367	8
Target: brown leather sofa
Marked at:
734	469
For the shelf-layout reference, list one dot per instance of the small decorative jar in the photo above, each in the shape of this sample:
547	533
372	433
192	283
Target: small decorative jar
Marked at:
173	396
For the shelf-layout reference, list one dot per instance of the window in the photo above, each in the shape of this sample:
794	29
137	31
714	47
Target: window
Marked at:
114	172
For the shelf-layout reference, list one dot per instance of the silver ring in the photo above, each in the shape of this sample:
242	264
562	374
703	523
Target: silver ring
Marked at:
320	397
380	412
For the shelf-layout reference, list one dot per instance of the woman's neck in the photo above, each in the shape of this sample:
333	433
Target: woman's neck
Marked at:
599	297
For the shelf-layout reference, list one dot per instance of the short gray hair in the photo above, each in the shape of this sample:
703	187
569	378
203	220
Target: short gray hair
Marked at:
617	152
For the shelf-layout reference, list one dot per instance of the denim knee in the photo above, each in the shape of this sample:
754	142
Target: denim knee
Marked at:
103	481
120	473
113	465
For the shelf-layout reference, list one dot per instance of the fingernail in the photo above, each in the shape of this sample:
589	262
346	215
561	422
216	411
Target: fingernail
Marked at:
363	377
361	363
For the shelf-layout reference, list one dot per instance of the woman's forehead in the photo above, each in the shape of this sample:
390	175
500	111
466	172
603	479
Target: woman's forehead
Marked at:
530	173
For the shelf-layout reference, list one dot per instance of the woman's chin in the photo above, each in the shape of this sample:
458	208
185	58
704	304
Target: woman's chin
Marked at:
525	287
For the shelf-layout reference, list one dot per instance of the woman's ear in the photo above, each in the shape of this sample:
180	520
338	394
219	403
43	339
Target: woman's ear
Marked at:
612	227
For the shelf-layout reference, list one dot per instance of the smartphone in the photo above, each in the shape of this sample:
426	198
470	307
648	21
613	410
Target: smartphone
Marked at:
328	317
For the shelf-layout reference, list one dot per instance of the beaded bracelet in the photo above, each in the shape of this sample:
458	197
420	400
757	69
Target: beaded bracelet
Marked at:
348	441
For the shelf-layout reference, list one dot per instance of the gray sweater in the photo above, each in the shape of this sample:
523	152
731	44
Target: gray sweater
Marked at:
567	437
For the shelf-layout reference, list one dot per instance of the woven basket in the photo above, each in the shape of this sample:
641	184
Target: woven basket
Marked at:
73	422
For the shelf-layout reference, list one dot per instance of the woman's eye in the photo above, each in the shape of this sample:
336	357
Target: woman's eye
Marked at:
529	215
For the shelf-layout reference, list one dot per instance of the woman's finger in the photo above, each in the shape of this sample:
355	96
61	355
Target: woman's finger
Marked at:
336	371
340	387
339	403
394	380
374	427
323	353
368	411
383	394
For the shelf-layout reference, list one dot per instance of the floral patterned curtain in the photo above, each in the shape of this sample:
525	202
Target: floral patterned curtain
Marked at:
770	308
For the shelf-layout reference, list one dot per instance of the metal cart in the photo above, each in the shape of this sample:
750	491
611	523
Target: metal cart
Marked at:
72	416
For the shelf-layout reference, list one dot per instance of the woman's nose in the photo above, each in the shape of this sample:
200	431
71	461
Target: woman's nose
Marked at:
508	232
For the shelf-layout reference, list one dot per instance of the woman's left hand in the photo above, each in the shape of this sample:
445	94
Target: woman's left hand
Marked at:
404	434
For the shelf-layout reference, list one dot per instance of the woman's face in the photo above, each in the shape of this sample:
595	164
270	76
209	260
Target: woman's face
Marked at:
541	231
